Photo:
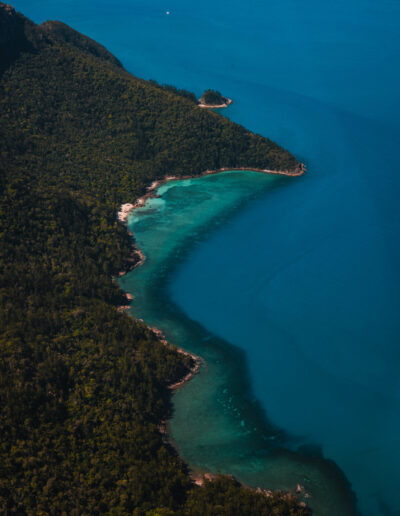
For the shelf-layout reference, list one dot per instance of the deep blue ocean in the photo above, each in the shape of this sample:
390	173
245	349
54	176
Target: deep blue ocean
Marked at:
304	278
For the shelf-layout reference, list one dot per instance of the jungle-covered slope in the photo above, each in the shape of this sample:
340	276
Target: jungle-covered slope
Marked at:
83	387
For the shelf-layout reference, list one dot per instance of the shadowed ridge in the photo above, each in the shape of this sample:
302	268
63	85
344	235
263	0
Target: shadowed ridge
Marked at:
17	35
65	34
20	35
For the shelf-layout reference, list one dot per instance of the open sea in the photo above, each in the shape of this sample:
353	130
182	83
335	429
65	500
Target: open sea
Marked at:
288	288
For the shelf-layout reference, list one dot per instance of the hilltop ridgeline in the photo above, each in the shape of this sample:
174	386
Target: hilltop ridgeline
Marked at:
84	386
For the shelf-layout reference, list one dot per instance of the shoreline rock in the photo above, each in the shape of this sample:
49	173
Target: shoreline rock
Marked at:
192	370
227	103
123	214
126	208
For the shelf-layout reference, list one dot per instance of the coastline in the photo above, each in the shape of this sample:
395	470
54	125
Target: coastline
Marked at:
137	256
126	208
199	477
192	370
218	106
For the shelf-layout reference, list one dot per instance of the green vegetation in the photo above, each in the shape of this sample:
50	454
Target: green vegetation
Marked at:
224	496
83	387
182	93
213	98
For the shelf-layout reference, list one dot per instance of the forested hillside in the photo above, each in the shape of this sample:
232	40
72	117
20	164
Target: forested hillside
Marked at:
83	387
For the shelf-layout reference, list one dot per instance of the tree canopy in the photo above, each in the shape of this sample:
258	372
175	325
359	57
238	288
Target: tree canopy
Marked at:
213	98
84	386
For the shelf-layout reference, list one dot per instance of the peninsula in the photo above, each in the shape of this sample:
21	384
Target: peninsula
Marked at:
84	386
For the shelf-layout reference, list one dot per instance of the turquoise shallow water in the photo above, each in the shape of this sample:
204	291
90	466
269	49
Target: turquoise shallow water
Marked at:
302	277
218	423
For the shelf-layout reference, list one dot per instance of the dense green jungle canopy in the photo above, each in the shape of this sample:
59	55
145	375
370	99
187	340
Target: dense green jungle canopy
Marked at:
211	97
83	386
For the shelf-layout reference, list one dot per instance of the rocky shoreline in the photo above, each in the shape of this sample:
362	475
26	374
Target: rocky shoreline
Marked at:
193	370
125	209
299	493
227	103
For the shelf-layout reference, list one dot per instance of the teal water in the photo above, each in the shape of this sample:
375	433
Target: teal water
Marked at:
302	279
218	423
